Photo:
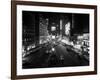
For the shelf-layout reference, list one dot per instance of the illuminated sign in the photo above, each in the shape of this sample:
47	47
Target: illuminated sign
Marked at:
53	28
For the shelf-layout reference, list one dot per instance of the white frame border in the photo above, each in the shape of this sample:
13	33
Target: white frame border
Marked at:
21	71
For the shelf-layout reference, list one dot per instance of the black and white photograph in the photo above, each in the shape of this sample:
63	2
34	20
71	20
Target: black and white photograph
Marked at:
51	39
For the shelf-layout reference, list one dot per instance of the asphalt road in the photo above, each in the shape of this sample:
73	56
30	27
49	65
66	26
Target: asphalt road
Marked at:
60	57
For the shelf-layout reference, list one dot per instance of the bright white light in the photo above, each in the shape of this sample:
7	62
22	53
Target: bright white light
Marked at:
53	49
65	41
53	28
67	28
33	46
53	37
28	48
80	37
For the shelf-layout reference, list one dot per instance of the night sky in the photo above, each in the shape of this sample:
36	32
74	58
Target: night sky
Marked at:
81	23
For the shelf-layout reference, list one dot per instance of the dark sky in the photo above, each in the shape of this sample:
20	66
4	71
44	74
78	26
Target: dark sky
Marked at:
81	23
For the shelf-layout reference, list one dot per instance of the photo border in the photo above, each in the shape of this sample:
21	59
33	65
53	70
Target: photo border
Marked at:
14	39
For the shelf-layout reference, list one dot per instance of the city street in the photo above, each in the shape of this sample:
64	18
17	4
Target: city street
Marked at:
60	56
